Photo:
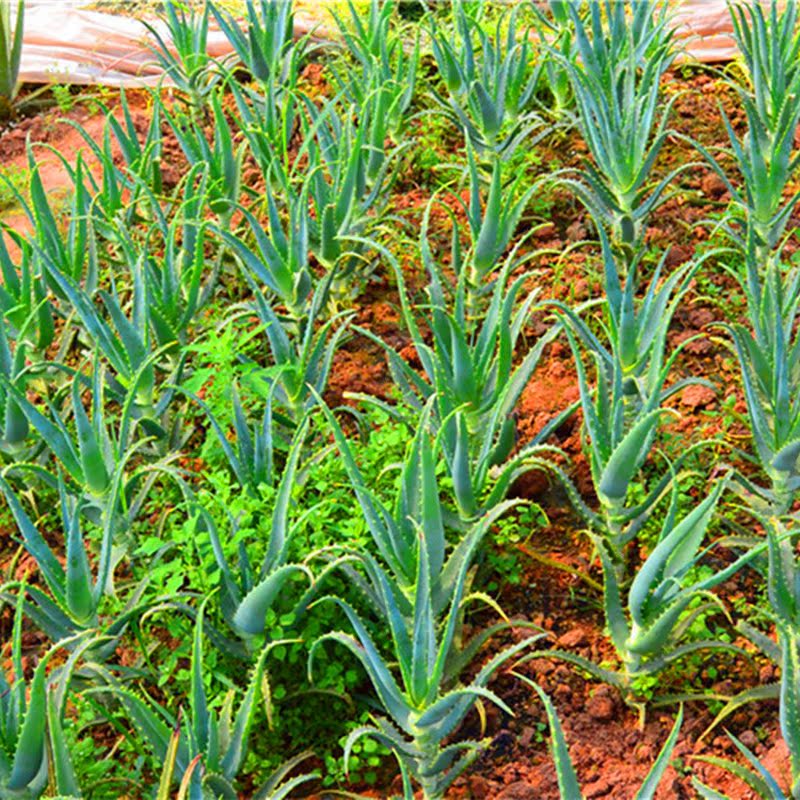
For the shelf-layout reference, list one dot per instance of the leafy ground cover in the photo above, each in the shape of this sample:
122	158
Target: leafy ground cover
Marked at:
413	414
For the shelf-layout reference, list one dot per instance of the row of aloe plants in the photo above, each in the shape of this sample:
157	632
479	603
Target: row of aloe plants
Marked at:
100	310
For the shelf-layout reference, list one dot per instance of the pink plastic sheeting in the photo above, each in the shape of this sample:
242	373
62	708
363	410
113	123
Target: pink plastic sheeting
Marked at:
706	27
67	44
71	45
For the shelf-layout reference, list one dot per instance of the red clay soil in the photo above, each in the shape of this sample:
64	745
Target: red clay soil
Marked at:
612	754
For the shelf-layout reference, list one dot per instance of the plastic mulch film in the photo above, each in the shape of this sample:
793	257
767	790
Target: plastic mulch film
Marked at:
65	43
706	27
69	44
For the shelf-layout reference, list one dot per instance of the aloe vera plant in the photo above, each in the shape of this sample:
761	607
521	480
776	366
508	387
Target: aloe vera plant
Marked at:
490	80
24	304
280	786
180	282
769	42
348	180
141	153
180	48
96	457
124	341
222	158
251	456
69	250
647	626
768	351
556	35
492	223
122	193
470	378
568	784
420	713
766	163
622	413
268	125
212	743
367	36
383	73
417	505
33	750
265	46
784	599
11	32
280	257
71	605
247	596
111	208
301	353
620	111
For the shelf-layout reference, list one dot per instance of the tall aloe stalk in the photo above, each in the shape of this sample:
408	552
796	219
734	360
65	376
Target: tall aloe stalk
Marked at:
769	42
620	111
622	413
10	54
420	710
768	350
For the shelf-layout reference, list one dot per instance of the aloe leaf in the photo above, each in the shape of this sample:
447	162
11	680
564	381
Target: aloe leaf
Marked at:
626	458
66	782
237	744
364	649
164	791
79	591
250	617
30	751
35	544
648	789
565	773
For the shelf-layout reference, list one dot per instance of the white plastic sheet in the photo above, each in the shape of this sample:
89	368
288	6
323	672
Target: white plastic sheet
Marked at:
706	27
68	44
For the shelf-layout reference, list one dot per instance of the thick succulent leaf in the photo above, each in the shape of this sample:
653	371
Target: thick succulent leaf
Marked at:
250	617
790	693
378	671
51	568
79	590
164	791
627	457
647	791
675	553
62	771
233	757
30	753
567	779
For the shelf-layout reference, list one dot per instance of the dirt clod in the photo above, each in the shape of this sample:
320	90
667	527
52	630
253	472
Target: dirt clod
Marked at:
697	396
519	790
601	705
599	788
